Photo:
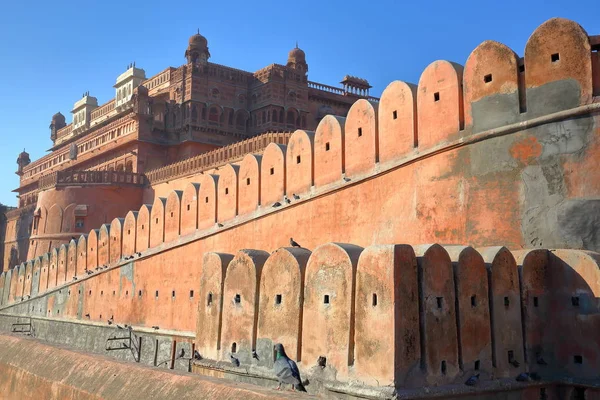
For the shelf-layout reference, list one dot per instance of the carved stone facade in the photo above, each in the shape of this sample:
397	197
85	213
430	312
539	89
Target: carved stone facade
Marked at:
178	114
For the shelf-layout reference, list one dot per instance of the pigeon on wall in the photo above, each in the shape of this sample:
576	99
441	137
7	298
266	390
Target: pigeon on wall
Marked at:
286	370
293	243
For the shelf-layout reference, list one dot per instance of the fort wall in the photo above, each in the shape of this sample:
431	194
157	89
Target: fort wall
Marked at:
470	157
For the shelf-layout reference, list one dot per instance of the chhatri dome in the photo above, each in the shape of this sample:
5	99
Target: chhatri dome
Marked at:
197	50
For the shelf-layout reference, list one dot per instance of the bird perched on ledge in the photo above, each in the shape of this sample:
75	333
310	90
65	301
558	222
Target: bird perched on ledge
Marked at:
286	370
293	243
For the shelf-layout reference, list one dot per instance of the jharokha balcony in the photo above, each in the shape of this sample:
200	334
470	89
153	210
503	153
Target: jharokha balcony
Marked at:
90	178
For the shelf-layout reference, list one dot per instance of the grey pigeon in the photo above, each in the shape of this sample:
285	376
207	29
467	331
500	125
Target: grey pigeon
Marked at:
234	360
182	353
276	204
523	377
293	243
472	381
347	179
296	197
255	355
197	355
286	370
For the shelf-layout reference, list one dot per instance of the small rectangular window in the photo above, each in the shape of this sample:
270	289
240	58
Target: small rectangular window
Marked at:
477	365
578	359
473	301
139	293
359	132
206	199
188	207
374	300
535	302
172	215
439	301
272	171
326	299
395	114
436	96
297	159
555	57
575	301
444	368
506	301
156	294
277	299
191	294
247	181
226	190
511	356
487	78
238	299
327	146
173	294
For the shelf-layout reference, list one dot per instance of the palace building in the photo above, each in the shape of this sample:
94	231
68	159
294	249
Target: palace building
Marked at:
154	122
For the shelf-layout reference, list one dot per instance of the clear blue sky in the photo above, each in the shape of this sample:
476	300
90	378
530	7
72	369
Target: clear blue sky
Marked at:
53	51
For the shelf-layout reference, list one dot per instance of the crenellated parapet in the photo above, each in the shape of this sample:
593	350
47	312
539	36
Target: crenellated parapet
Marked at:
383	317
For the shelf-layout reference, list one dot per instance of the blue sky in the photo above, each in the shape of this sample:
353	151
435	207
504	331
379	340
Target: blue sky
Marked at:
52	52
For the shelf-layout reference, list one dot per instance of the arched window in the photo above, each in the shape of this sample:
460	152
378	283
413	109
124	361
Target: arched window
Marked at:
194	113
240	121
230	119
274	116
129	166
280	115
120	168
264	117
213	115
291	117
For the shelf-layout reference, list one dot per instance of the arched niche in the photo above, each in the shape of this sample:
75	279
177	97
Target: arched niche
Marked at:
116	239
361	138
328	320
173	215
272	174
240	304
82	254
398	134
92	249
44	274
439	355
157	222
439	103
61	274
35	280
104	245
53	268
189	209
491	87
227	192
281	303
329	150
558	67
387	315
249	184
207	201
129	233
507	335
71	260
144	228
299	162
210	304
473	312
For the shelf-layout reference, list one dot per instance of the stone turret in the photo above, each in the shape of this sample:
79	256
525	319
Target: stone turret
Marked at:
297	59
22	161
58	122
197	51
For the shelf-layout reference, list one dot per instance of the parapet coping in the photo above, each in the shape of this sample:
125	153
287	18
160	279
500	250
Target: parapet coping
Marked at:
378	169
141	329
